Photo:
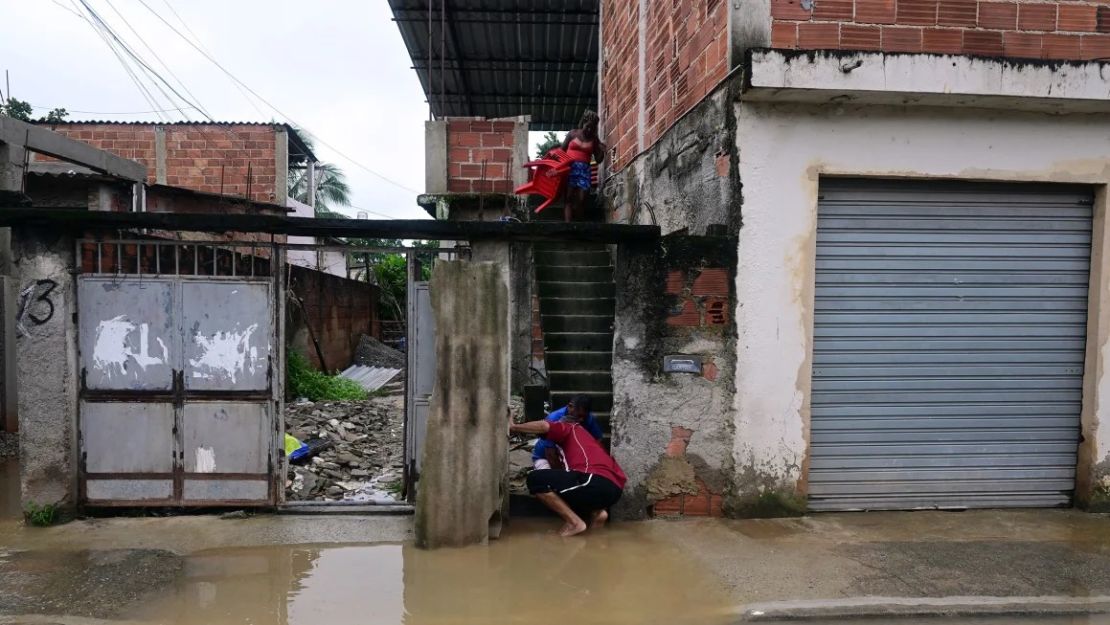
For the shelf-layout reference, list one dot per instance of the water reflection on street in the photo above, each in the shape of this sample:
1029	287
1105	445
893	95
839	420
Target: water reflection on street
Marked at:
526	577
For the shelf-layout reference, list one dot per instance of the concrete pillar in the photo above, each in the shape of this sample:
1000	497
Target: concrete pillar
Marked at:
461	494
12	166
435	157
281	166
46	355
160	154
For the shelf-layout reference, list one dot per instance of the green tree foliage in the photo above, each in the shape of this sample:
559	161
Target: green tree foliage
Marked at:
550	140
18	109
332	189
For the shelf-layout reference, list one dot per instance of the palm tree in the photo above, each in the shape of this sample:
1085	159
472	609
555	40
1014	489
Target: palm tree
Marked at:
331	184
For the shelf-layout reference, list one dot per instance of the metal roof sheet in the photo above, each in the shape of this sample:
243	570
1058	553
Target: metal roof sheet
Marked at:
502	58
369	378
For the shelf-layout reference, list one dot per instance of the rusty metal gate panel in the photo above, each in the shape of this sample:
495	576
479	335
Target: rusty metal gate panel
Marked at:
178	397
422	363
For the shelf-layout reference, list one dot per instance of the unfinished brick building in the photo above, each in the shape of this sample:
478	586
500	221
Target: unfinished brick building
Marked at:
918	188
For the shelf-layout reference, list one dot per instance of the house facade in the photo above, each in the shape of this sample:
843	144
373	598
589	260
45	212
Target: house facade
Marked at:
917	191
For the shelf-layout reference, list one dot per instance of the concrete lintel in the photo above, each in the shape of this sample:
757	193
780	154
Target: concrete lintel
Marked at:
927	79
44	141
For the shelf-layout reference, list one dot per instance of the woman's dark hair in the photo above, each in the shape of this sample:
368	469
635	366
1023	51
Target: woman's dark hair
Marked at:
581	402
588	117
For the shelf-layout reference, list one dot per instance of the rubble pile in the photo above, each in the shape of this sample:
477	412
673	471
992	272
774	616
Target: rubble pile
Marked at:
373	353
9	444
365	459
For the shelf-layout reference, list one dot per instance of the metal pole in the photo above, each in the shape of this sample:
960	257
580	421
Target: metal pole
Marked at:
431	99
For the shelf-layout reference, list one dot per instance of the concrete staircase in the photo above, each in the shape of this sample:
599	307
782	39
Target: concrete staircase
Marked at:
576	290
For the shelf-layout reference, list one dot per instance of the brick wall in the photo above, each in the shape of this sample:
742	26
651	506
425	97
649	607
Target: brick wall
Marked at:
338	309
698	298
479	156
212	158
685	57
1070	30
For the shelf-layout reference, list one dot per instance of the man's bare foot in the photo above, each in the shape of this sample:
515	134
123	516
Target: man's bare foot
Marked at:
570	529
598	519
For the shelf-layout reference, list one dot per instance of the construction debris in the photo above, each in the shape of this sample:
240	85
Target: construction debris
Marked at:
373	353
367	455
369	378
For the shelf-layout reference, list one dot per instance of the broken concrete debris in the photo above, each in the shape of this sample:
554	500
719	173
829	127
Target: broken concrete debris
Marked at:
365	460
373	353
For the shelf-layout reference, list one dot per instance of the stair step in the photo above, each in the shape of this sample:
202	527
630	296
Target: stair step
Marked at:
567	258
577	323
599	402
574	273
578	306
577	289
578	360
586	380
578	341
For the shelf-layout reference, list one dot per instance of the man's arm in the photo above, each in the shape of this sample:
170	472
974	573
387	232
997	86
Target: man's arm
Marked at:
539	428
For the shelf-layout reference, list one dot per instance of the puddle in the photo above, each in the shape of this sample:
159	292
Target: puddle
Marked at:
529	576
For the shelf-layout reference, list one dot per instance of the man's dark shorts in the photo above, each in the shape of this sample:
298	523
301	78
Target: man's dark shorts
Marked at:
583	492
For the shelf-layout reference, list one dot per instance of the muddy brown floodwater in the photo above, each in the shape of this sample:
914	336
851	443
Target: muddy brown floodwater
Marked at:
528	576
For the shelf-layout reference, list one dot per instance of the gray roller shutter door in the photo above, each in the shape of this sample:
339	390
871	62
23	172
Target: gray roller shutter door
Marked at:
949	334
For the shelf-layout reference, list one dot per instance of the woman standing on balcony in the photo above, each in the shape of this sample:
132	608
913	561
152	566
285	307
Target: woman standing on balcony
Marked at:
582	145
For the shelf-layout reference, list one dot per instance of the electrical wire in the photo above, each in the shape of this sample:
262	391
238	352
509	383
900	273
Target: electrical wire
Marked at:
269	104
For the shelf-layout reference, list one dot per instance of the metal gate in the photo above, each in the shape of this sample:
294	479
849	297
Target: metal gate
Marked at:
949	335
178	389
422	363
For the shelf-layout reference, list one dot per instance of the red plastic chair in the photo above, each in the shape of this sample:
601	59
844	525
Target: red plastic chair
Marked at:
541	182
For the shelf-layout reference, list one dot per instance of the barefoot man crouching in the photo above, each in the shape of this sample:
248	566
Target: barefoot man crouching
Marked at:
591	483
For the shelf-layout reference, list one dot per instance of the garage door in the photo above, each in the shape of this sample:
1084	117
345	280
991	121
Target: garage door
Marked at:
949	334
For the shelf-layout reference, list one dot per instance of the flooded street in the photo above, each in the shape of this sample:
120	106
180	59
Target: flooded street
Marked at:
622	576
271	569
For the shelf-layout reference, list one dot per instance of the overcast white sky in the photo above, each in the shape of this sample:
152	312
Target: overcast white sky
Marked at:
337	68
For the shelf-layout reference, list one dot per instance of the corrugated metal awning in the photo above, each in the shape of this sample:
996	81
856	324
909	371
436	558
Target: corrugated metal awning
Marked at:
501	58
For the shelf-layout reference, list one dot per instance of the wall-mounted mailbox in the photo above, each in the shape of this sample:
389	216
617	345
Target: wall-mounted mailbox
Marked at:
682	363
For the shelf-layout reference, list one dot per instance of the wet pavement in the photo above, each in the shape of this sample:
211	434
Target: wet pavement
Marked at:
277	570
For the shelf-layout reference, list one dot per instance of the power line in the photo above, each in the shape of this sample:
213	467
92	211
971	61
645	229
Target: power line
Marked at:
157	58
202	46
269	104
168	110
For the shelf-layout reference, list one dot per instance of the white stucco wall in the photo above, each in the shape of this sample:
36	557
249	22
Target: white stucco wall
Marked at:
783	151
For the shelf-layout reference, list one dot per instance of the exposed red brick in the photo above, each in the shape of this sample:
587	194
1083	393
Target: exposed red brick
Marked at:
834	9
788	10
983	42
716	311
957	13
503	127
1058	46
712	281
784	35
999	15
687	315
876	11
1102	24
710	371
680	439
1037	17
854	37
943	40
917	12
676	282
902	39
1024	45
1079	17
818	36
1095	47
464	139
